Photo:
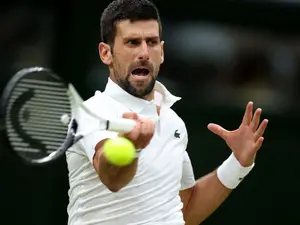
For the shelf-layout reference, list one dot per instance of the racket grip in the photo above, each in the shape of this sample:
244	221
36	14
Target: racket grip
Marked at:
120	125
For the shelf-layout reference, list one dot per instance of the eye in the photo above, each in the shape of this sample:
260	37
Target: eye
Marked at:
152	42
132	42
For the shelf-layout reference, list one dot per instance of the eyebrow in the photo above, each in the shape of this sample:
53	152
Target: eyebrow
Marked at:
139	37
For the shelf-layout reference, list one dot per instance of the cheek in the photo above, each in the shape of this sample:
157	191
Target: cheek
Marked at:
126	57
121	60
121	68
156	56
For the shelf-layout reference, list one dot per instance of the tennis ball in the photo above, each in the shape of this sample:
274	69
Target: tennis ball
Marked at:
119	151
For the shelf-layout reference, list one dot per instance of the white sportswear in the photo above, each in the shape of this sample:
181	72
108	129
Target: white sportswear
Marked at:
164	167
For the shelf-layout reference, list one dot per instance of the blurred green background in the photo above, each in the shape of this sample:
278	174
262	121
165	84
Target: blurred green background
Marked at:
219	55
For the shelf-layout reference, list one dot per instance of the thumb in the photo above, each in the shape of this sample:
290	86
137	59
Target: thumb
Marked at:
130	115
218	130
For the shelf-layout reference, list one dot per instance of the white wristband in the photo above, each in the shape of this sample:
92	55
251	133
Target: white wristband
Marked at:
137	153
231	173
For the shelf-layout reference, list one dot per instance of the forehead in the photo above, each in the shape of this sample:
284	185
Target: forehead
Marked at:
143	28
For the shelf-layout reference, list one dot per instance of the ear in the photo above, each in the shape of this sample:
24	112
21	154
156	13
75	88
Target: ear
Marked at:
105	53
162	43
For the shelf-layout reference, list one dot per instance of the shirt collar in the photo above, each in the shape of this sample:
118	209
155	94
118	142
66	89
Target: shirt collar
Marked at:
138	105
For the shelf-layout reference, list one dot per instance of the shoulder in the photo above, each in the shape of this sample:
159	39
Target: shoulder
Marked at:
102	104
174	117
99	100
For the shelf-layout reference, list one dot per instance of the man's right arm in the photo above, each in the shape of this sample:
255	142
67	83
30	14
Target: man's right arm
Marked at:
116	177
113	177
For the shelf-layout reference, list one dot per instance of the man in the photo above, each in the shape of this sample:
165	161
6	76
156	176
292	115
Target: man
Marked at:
159	186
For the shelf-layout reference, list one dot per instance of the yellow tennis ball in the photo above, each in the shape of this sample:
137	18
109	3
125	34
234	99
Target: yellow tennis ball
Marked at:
119	151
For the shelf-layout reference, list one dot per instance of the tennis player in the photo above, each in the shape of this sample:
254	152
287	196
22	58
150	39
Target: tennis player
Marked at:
159	187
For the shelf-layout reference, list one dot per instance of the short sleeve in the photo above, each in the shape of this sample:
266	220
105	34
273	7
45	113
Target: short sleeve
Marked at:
188	178
86	124
89	143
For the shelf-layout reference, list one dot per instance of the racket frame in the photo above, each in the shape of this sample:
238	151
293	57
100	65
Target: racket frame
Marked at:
120	125
8	90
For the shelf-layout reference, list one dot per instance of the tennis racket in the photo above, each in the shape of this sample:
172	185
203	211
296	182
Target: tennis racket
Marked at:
40	113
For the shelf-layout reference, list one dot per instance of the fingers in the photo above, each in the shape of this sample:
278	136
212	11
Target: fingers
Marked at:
258	144
248	114
256	119
147	131
130	115
257	129
261	130
135	133
142	133
218	130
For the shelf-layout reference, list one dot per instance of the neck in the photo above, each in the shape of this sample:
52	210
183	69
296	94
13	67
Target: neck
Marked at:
150	96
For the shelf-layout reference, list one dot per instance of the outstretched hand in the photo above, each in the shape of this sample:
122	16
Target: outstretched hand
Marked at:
247	139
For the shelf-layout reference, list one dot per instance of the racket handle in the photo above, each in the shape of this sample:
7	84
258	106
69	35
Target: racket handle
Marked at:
120	125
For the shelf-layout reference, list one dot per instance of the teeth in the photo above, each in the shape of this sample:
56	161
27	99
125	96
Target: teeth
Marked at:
140	72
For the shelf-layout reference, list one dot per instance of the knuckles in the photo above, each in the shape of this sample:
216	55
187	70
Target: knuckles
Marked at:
143	132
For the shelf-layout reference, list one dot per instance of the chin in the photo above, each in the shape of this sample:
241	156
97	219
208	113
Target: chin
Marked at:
138	91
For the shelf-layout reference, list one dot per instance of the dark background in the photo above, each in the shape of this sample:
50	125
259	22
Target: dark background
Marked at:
219	55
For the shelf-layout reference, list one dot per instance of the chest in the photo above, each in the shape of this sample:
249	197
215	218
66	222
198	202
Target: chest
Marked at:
162	158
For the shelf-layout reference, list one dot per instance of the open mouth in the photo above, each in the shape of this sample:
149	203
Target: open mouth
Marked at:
140	72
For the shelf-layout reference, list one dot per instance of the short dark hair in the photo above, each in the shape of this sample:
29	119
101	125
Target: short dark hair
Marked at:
133	10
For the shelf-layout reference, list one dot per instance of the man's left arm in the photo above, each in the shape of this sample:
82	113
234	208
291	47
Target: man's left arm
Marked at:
201	200
210	191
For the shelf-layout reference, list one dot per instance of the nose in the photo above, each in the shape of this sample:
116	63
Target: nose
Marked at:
143	53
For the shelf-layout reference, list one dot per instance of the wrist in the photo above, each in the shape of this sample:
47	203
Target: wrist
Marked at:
231	173
137	151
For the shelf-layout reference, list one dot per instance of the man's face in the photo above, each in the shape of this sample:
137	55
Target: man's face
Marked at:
136	56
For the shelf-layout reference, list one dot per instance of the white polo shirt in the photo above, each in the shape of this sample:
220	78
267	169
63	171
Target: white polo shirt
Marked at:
164	167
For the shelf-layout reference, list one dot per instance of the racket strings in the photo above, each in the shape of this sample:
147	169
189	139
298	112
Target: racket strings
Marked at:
33	117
